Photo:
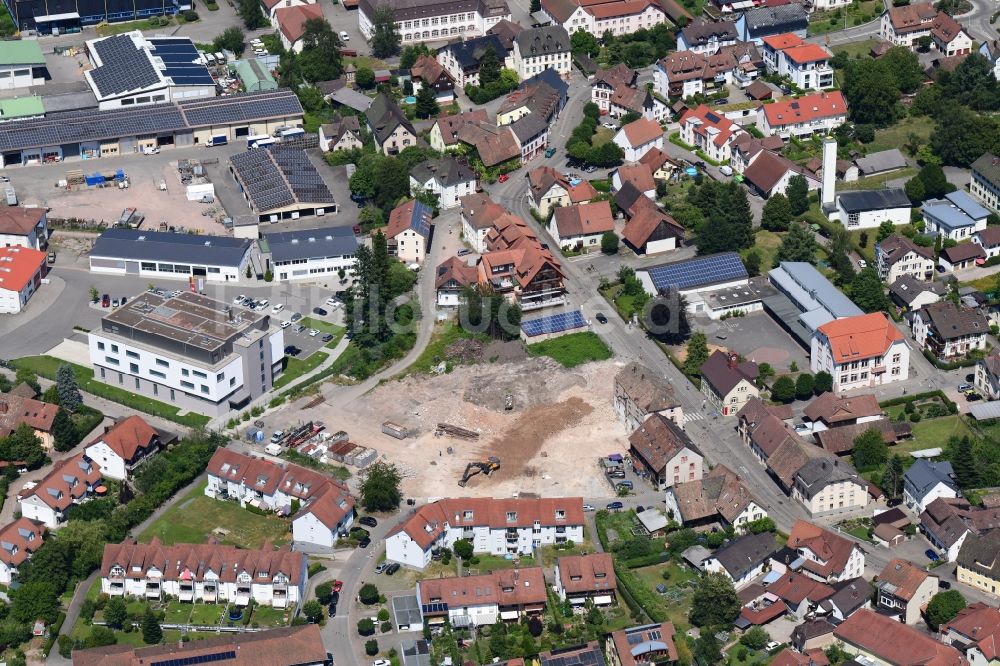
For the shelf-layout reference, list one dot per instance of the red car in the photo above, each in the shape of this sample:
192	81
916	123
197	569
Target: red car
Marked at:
356	229
502	178
338	585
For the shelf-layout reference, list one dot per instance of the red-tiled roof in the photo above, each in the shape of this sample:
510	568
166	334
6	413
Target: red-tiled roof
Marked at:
785	40
980	625
795	588
642	131
292	20
127	436
908	18
18	265
20	539
807	53
67	481
658	440
506	587
587	573
905	576
895	642
649	635
833	549
16	409
584	219
714	120
833	409
805	109
860	337
639	175
18	221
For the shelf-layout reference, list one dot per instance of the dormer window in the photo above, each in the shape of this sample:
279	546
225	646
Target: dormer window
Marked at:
511	516
466	515
560	514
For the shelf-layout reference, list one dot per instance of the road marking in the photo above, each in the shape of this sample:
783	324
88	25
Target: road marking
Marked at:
695	416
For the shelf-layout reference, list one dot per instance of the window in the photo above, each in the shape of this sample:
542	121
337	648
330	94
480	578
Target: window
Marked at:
162	363
133	368
204	389
157	373
114	349
131	354
219	377
111	359
100	346
511	516
187	385
136	383
232	381
200	374
185	372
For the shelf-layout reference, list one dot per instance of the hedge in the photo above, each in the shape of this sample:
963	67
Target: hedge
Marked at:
952	365
902	400
658	557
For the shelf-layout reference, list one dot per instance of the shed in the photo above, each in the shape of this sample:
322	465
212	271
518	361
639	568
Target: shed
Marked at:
653	521
254	76
695	555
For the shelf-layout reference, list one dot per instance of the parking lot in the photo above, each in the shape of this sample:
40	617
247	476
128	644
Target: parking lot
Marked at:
306	331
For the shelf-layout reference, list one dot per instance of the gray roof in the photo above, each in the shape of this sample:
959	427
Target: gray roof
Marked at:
955	211
816	287
821	472
923	475
886	160
352	99
534	42
949	321
468	53
447	170
700	31
980	554
279	176
529	126
763	21
384	116
849	597
907	288
141	245
982	411
988	166
866	200
312	243
745	553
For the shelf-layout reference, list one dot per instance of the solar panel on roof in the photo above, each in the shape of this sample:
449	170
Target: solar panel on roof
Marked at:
556	323
703	271
434	608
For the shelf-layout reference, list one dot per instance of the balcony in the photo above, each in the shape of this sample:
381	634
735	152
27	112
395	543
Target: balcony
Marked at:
242	596
152	590
280	598
186	592
209	594
117	588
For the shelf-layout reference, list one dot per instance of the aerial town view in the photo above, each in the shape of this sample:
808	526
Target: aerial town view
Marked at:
500	332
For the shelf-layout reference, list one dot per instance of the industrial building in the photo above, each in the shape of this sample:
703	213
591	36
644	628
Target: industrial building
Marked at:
280	183
159	254
313	254
52	17
83	134
188	350
806	301
22	64
131	70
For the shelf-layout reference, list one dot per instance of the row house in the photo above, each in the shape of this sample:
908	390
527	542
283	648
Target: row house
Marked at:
583	578
664	453
510	526
123	447
640	393
620	17
208	572
860	352
518	266
948	331
473	601
896	256
719	498
903	590
907	25
979	562
710	131
18	541
805	64
71	481
686	73
816	113
826	556
326	506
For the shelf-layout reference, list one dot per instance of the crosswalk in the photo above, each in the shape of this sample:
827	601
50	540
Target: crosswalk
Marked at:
693	416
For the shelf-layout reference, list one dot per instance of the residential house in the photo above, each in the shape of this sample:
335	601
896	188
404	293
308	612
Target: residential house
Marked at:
619	17
24	269
926	481
479	213
947	330
549	188
649	230
518	266
988	376
975	631
506	30
626	99
727	383
860	352
984	182
705	36
638	175
70	481
291	24
961	256
269	7
814	636
123	447
24	227
326	506
581	655
989	240
579	227
461	58
18	541
840	441
665	452
444	132
882	640
498	526
445	177
763	21
686	73
868	209
344	133
389	126
746	148
743	559
408	231
826	486
537	49
495	145
800	594
912	294
957	217
907	25
582	578
850	596
805	64
979	562
896	256
827	557
769	173
452	277
990	49
789	658
947	522
532	135
474	601
639	137
639	393
829	410
17	408
545	93
208	572
710	131
755	413
604	83
903	590
427	72
815	113
661	165
720	497
644	645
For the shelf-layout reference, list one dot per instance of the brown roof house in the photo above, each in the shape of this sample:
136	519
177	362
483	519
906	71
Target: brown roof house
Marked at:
71	481
979	561
947	330
550	188
427	72
665	452
976	632
640	392
583	577
123	447
904	590
728	383
292	24
452	277
479	215
507	594
494	145
720	497
408	231
769	174
580	226
649	229
828	557
444	132
17	408
883	640
18	540
340	134
644	645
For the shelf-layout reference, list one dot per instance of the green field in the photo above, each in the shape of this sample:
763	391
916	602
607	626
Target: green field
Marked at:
934	432
766	243
193	519
573	349
295	367
854	14
898	134
856	49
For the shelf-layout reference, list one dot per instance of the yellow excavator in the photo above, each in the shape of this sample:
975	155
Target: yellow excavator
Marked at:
491	465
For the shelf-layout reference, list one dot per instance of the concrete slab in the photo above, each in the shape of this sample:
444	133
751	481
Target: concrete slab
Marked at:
72	351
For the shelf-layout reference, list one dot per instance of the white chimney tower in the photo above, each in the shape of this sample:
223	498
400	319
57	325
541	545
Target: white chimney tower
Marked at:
829	173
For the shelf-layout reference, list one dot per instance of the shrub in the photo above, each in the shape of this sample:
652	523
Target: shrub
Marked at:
383	614
366	627
371	648
385	627
368	594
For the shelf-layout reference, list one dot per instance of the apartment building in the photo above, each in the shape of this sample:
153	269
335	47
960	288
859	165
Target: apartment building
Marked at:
949	331
984	183
71	481
429	20
860	352
473	601
208	572
816	113
806	65
187	350
727	383
517	265
583	578
827	557
18	540
123	447
620	17
706	36
907	25
496	526
665	452
710	131
640	393
326	508
538	49
686	73
903	590
896	256
826	486
720	497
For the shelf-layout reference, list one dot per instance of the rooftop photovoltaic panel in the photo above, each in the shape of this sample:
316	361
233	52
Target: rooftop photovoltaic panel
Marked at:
556	323
240	108
277	177
697	272
181	62
227	655
124	66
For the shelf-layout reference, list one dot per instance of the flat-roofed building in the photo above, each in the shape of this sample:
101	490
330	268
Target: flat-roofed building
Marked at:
281	183
315	255
170	255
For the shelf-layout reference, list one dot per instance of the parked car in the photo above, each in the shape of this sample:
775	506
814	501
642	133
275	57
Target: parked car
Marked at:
313	332
295	317
327	337
770	646
300	328
972	397
726	170
392	568
115	303
52	257
931	555
591	169
364	543
277	436
344	37
105	301
331	302
601	318
503	178
944	585
862	263
286	324
615	506
640	509
624	484
549	152
368	520
964	388
239	299
338	585
277	308
320	311
588	507
610	126
381	566
381	662
721	102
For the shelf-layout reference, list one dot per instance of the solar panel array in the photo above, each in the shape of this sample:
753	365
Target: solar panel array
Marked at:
306	183
196	659
556	323
435	607
181	62
80	126
241	108
261	180
713	269
577	657
124	66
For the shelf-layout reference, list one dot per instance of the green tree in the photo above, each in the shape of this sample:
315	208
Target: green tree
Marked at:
799	244
609	242
914	189
25	375
964	137
324	591
427	105
385	37
250	14
23	446
366	626
777	213
755	638
870	450
944	606
116	612
411	53
591	110
151	631
761	525
697	353
783	389
867	291
885	230
63	431
69	392
905	68
714	601
872	93
489	67
804	386
964	464
371	647
583	42
33	601
380	486
707	650
99	637
535	6
463	549
728	219
936	185
365	78
232	39
368	594
798	194
751	261
313	611
892	478
822	382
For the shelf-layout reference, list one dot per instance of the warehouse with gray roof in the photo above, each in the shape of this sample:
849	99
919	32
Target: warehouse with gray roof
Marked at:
160	254
314	255
281	183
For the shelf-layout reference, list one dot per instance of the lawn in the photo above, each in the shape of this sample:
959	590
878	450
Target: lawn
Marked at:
153	23
877	182
489	563
47	366
206	614
675	605
856	49
898	134
601	136
193	519
766	243
178	612
295	367
573	349
323	327
266	616
854	14
985	284
933	433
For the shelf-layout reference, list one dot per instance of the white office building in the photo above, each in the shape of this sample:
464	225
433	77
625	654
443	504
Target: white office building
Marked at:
316	255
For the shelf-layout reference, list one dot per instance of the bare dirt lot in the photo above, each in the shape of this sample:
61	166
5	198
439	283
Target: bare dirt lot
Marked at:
561	422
